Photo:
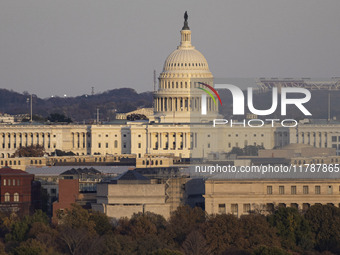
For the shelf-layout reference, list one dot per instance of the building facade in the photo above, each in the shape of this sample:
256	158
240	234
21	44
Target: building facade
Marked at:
243	196
18	192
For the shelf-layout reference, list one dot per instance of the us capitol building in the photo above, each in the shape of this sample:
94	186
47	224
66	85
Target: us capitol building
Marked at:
177	126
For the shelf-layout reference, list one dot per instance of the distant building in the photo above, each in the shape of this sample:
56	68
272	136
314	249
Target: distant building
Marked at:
300	154
7	118
68	195
18	191
147	112
241	194
131	193
76	185
161	192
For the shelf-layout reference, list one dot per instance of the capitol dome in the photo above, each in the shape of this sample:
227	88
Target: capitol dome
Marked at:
185	58
186	61
178	98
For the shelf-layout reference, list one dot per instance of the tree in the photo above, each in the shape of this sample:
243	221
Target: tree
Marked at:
236	150
293	229
255	231
34	247
265	250
252	150
30	151
146	230
78	217
249	150
136	116
195	244
221	232
102	223
79	241
183	221
166	252
64	153
57	117
325	225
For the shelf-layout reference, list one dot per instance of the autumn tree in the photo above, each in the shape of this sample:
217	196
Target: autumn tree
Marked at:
146	230
195	244
183	221
221	232
30	151
256	231
292	227
324	221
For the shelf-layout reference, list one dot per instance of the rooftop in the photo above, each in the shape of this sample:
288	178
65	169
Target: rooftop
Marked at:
9	171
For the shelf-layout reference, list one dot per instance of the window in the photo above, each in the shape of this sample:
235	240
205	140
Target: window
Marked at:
330	189
305	190
281	190
269	190
99	145
16	197
18	182
221	208
234	208
139	145
116	144
13	182
5	182
293	190
246	208
333	138
107	145
317	190
9	182
7	197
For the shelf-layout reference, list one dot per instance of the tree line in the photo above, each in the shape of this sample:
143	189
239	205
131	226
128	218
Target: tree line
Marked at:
76	109
188	231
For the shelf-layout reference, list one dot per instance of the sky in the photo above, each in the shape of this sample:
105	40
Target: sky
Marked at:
57	47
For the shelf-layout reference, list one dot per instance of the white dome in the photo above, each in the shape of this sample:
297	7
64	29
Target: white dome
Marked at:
186	59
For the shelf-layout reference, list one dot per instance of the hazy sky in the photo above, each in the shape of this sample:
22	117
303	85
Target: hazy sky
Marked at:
67	46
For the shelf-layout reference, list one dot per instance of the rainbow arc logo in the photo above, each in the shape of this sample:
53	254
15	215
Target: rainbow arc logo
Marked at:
204	97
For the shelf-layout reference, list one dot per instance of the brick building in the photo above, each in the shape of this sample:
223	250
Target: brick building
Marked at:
18	191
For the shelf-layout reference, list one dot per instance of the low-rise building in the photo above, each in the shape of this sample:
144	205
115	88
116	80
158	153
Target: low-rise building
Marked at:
18	191
241	194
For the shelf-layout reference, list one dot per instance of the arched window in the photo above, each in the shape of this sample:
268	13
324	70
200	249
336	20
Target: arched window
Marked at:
7	197
16	197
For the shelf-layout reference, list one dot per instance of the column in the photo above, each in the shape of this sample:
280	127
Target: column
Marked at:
176	141
160	145
319	144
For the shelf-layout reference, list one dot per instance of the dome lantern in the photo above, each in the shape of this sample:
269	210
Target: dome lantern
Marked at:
185	33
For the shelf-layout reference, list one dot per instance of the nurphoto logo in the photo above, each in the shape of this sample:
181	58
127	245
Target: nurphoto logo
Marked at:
239	102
